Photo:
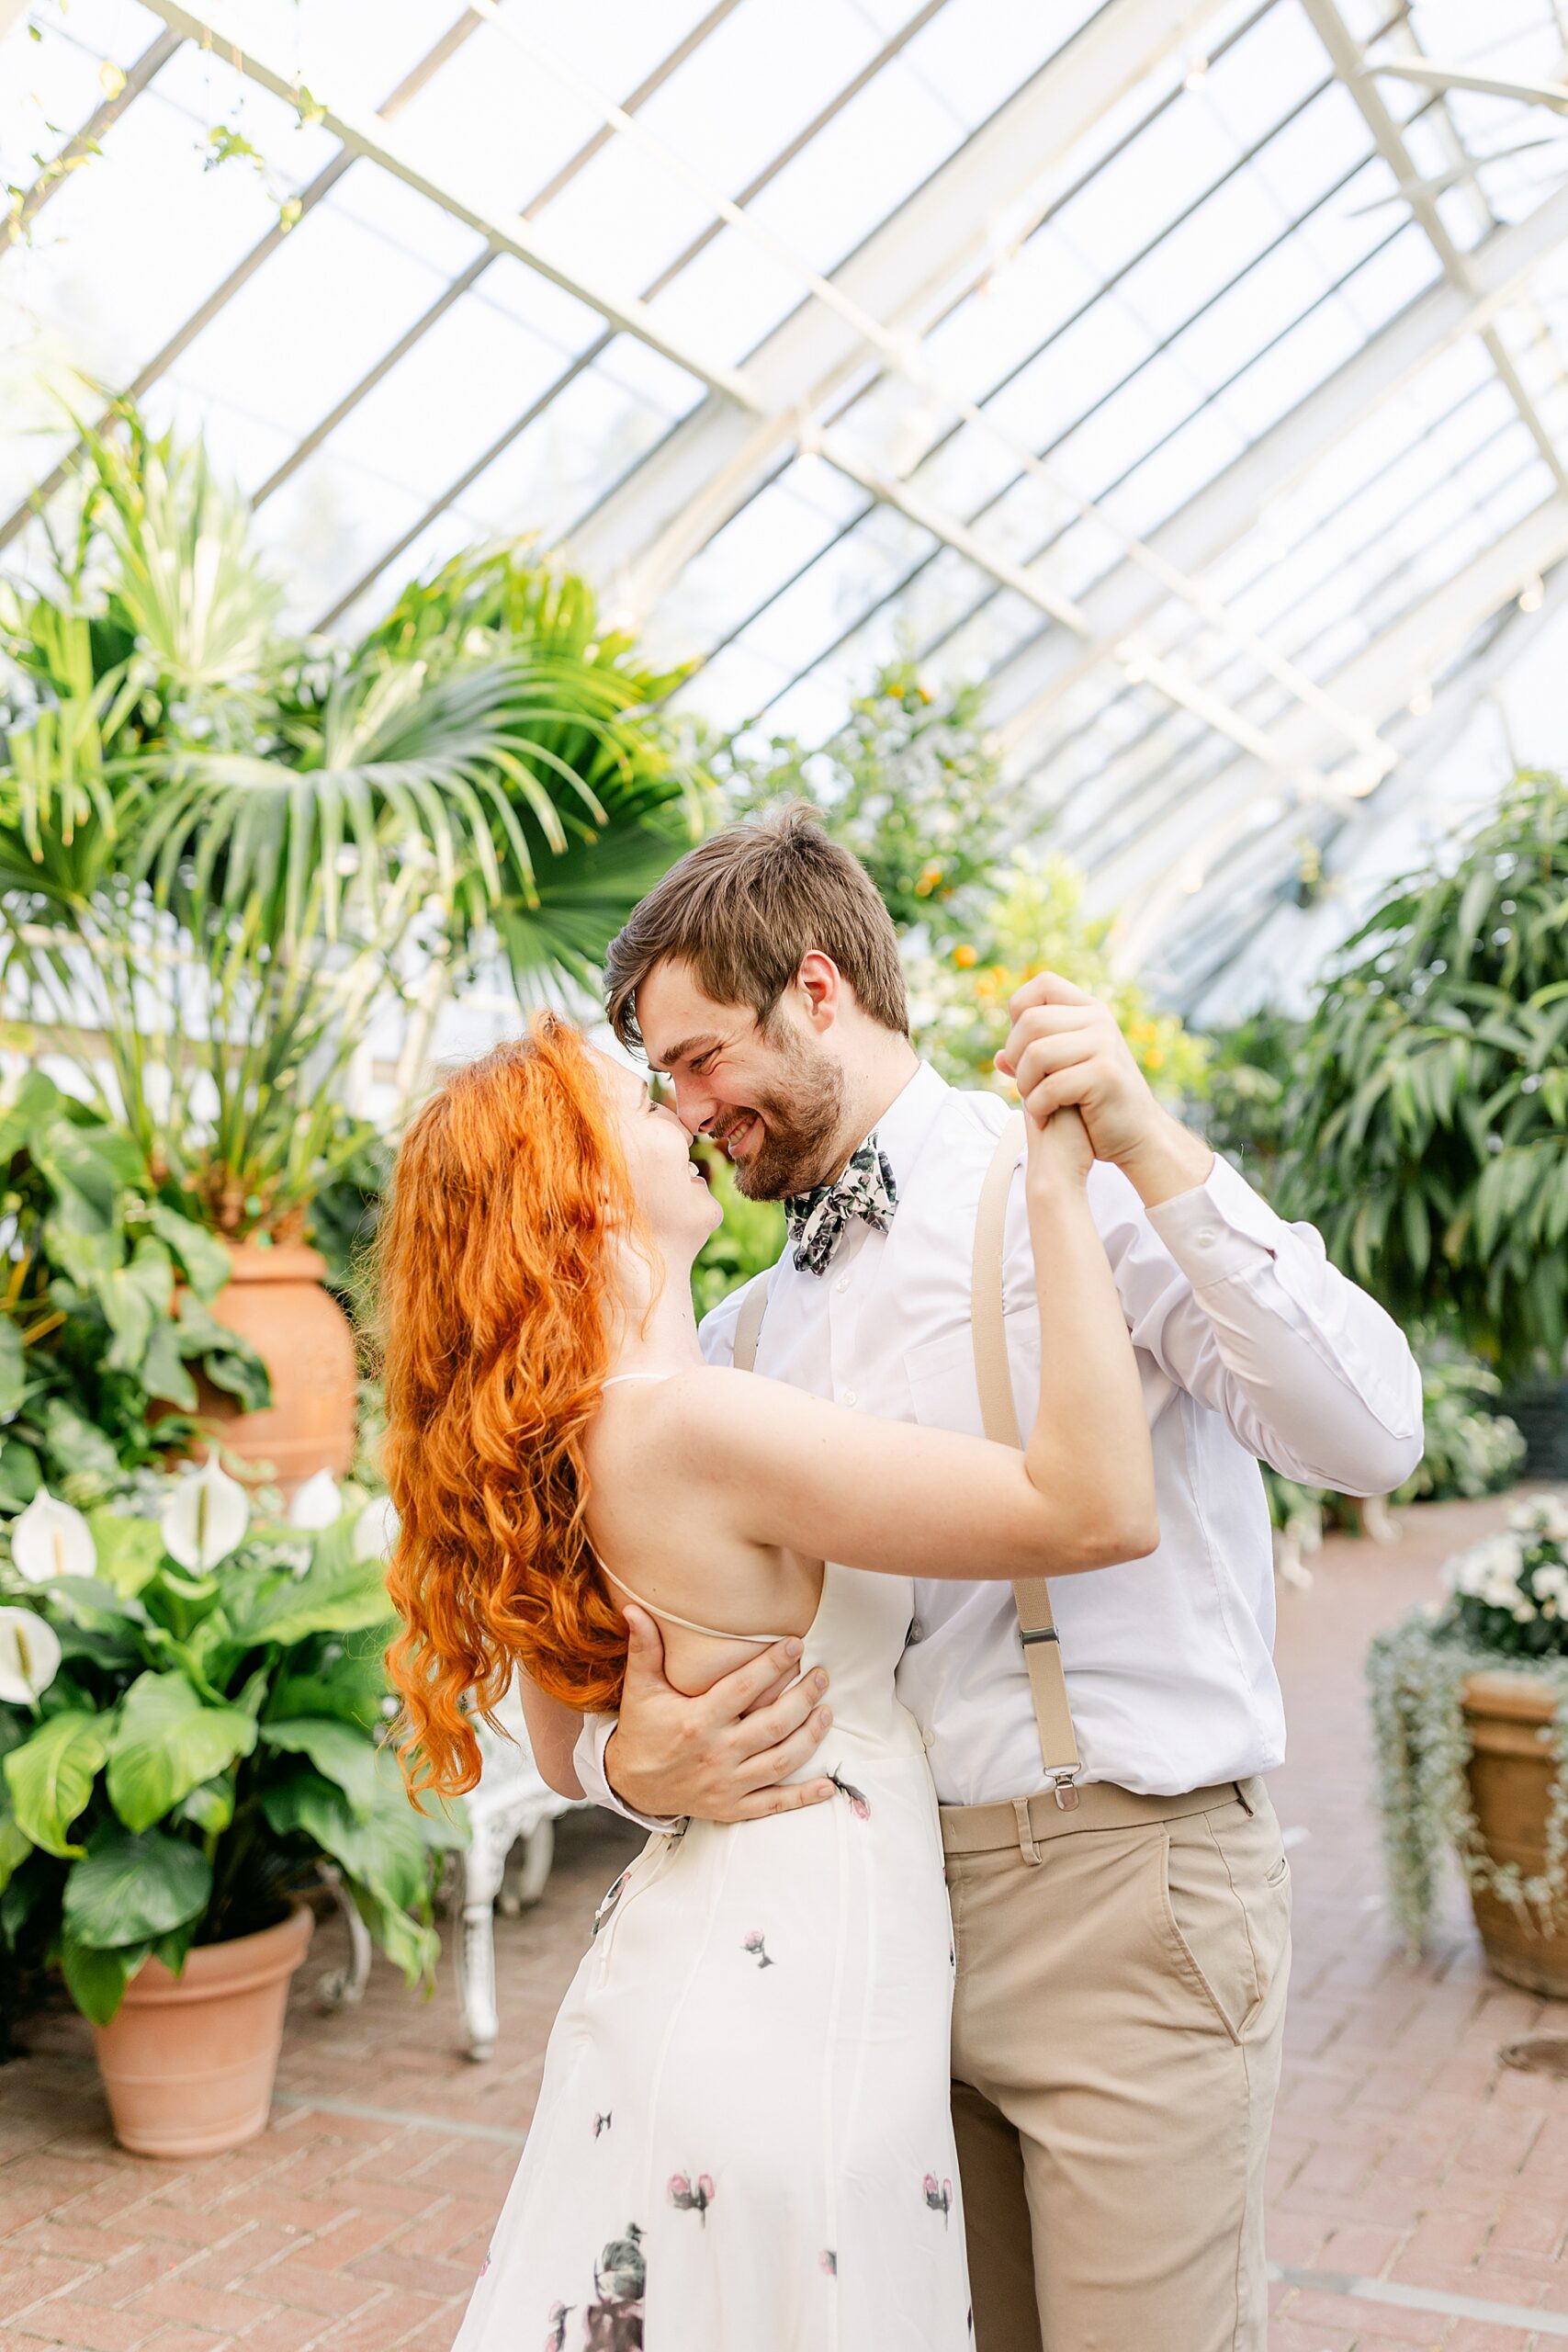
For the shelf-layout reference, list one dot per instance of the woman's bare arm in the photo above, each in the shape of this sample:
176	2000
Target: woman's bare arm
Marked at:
792	1471
552	1735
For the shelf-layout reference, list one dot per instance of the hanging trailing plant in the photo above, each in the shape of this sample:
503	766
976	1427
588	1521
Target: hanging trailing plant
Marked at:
1508	1605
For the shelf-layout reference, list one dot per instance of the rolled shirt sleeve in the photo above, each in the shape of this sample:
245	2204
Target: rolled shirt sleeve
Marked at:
1245	1312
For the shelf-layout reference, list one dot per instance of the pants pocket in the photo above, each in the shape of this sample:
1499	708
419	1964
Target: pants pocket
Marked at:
1225	1896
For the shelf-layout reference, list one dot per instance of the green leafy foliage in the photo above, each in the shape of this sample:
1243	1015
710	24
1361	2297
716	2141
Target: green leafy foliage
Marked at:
206	1743
104	1315
224	851
1429	1111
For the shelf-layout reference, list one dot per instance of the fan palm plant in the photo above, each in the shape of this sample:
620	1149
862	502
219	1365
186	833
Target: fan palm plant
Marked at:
224	852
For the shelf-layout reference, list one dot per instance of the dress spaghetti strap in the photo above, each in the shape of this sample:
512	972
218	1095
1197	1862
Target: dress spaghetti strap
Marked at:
687	1624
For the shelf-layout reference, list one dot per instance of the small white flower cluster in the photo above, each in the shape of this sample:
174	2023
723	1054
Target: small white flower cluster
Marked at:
1505	1572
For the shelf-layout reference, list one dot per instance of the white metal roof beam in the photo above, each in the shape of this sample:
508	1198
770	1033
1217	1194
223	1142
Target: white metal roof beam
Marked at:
1428	74
367	136
1377	683
1350	63
245	268
1028	687
640	537
1164	676
26	209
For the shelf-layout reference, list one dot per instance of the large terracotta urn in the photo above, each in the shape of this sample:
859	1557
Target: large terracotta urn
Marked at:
275	1300
1511	1772
188	2061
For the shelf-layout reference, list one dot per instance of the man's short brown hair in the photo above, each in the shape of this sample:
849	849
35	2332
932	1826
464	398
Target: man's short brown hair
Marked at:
746	908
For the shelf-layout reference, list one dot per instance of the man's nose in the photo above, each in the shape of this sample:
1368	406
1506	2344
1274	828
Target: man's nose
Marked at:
694	1106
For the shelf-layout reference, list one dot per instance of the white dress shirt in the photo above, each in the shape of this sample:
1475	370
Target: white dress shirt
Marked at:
1249	1344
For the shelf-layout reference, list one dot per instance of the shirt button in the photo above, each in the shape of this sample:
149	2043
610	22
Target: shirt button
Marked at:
846	1397
842	1282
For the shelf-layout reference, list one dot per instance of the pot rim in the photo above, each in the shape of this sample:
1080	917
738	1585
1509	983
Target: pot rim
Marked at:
1514	1692
213	1970
275	1262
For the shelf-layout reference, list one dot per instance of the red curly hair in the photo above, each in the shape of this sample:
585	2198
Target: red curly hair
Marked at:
495	1256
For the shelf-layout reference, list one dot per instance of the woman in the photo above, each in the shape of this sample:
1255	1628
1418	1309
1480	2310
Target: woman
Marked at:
743	2139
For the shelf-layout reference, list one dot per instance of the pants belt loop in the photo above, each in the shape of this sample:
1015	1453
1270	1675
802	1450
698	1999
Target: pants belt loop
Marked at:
1026	1845
1243	1799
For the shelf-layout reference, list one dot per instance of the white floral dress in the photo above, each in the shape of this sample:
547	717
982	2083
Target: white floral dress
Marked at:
743	2141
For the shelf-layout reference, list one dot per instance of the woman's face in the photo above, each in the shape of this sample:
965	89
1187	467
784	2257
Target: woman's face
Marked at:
669	1189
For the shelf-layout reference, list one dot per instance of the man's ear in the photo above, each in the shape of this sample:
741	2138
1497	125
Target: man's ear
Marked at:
822	985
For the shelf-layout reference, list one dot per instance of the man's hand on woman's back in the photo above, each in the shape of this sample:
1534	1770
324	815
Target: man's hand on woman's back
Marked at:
726	1755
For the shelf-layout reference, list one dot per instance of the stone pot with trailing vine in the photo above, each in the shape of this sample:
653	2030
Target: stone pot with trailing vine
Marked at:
193	1723
1469	1704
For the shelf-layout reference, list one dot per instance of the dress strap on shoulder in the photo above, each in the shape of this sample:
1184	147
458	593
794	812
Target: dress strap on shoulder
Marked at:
687	1624
615	1376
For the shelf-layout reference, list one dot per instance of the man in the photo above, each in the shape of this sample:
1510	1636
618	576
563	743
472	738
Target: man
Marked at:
1121	1936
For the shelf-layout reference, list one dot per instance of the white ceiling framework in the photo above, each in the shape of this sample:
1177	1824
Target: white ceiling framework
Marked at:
1191	370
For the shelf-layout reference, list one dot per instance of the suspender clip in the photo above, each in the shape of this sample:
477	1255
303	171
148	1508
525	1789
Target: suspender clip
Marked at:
1064	1788
1041	1634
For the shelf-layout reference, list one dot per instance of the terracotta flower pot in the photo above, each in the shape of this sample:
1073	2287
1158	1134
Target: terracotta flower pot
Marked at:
277	1302
188	2061
1511	1773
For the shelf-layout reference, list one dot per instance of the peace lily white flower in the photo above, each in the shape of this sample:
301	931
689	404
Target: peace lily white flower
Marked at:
377	1529
205	1517
30	1656
49	1539
317	1504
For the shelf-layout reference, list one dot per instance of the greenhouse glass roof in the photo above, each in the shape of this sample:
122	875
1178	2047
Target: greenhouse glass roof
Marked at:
1193	373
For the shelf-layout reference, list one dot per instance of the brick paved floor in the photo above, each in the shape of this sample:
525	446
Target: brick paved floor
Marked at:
1419	2193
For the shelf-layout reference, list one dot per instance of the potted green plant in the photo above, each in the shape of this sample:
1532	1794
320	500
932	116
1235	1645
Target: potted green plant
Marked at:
1428	1109
192	1723
225	853
106	1334
1470	1704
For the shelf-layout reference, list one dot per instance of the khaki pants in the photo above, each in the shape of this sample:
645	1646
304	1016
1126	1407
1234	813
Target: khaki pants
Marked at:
1116	2035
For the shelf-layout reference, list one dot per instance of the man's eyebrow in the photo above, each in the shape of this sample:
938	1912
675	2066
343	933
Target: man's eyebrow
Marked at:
700	1044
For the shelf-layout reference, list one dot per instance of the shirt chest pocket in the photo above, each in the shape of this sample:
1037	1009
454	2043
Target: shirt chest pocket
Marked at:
940	1374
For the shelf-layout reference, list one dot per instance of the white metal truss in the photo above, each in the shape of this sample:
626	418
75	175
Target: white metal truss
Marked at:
1027	688
629	315
84	143
1428	74
642	536
1349	63
245	268
1377	683
366	135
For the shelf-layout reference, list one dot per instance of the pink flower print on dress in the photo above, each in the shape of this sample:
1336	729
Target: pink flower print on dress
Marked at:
827	2263
556	2339
939	2195
859	1804
601	2122
687	2199
757	1948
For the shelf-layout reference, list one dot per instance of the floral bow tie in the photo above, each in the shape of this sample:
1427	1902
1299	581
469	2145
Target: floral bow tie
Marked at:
817	1219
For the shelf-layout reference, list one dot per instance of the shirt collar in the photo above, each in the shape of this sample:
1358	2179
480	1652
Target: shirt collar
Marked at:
909	1119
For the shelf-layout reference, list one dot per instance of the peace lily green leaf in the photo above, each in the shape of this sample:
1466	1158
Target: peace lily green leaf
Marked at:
127	1890
335	1596
339	1752
130	1551
96	1979
384	1854
210	1806
50	1778
15	1846
13	1369
164	1742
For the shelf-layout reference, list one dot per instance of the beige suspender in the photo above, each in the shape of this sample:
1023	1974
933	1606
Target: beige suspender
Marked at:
1041	1650
993	1377
749	1323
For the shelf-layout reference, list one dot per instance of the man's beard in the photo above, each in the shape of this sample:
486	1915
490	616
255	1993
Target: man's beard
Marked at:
800	1121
